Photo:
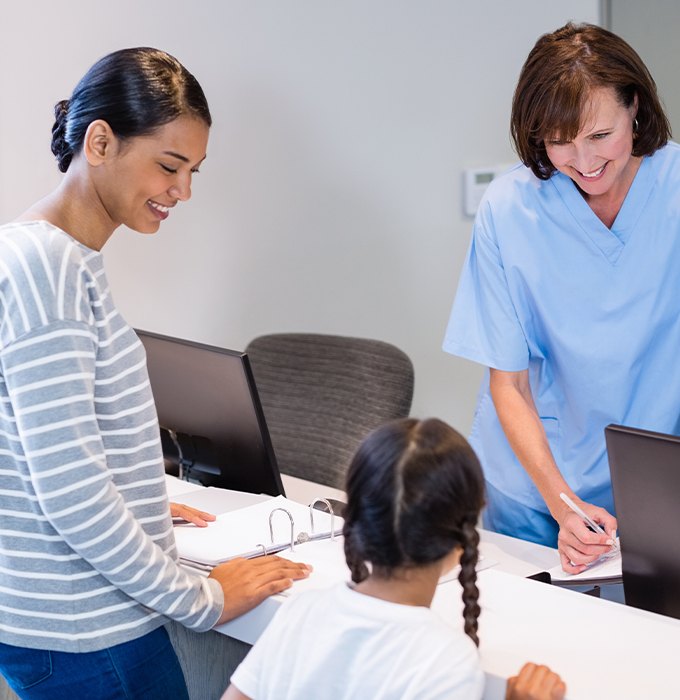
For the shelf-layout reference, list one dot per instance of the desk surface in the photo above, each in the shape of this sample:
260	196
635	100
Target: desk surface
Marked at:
602	649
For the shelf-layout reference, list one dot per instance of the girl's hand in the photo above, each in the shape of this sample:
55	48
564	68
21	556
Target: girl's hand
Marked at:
535	683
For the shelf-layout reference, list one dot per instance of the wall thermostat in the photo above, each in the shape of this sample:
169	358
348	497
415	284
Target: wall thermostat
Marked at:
475	182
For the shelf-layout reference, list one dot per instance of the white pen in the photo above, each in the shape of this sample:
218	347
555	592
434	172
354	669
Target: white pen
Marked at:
589	521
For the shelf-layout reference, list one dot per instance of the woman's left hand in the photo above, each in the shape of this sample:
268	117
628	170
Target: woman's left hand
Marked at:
191	515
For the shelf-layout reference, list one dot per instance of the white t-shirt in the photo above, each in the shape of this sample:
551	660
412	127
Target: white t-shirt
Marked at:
339	644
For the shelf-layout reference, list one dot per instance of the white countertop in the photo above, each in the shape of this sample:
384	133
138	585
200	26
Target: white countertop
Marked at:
602	649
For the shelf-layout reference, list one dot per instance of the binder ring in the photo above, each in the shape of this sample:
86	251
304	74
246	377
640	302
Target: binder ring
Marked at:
264	549
292	527
330	510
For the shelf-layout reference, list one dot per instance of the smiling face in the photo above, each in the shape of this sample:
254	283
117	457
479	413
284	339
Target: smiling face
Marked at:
599	158
144	177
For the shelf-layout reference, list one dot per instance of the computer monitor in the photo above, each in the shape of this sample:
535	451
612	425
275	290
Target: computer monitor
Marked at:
212	425
645	471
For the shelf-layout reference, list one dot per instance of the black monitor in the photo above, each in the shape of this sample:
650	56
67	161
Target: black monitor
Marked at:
213	429
645	470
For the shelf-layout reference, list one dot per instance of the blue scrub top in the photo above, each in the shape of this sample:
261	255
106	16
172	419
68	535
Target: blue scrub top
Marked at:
592	313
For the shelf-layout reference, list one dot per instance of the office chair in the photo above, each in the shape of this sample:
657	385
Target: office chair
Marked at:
322	394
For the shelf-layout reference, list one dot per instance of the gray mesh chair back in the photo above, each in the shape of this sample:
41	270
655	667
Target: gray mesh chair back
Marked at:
322	394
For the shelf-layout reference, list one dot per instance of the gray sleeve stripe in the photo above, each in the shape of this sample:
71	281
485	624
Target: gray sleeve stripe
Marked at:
56	403
41	361
16	295
47	337
51	634
47	575
38	386
64	446
86	595
21	554
29	279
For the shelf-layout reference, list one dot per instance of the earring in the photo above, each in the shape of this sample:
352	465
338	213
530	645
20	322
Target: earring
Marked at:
636	125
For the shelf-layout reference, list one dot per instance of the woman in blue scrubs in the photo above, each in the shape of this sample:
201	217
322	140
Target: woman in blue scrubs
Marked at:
569	294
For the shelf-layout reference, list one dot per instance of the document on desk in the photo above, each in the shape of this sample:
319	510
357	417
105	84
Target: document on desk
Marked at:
327	557
482	563
246	532
606	569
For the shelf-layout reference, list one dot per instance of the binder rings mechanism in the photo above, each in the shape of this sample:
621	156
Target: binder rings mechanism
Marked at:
302	536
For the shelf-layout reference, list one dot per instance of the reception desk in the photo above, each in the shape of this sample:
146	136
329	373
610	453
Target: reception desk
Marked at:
601	648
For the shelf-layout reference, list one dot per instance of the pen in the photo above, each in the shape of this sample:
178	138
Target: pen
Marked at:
589	521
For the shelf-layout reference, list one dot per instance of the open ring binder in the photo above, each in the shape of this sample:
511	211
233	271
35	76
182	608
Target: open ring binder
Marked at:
240	533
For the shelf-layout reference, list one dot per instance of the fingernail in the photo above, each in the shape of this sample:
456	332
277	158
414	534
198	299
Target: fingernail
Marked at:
610	541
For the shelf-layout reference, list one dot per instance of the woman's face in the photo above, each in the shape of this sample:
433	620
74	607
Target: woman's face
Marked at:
148	175
599	159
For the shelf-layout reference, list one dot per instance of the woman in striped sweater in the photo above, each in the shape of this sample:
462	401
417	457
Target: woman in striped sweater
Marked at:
88	571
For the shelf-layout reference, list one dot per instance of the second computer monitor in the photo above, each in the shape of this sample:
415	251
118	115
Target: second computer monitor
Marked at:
645	470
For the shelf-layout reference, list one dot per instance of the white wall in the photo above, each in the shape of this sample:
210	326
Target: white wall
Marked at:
331	197
652	29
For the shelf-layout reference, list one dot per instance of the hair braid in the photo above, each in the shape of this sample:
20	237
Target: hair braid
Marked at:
468	579
355	561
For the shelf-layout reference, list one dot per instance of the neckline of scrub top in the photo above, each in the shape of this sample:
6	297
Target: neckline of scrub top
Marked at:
610	241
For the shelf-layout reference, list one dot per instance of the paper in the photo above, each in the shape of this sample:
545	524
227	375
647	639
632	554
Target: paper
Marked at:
482	563
217	501
240	533
606	568
175	487
327	558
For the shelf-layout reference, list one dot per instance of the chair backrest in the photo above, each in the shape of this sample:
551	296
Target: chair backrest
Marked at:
322	394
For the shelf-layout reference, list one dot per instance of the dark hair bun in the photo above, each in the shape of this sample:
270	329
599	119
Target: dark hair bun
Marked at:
60	146
134	91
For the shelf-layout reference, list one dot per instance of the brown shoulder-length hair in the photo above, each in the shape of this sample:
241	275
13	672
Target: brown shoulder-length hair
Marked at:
556	82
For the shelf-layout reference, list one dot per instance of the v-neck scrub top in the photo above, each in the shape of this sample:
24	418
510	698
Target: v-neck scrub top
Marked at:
592	313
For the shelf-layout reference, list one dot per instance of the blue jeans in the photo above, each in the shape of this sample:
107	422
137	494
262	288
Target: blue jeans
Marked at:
144	669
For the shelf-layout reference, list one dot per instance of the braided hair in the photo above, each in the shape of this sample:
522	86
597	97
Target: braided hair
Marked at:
135	91
414	493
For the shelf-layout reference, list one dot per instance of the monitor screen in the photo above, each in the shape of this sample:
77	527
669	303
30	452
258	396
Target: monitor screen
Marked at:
213	429
645	470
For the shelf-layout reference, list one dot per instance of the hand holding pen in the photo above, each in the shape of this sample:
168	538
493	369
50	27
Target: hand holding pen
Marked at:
595	527
581	539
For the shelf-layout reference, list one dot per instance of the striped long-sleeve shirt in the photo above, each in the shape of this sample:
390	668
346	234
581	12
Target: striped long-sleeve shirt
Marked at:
87	553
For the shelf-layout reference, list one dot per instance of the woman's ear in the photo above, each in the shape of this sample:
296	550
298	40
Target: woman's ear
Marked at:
99	142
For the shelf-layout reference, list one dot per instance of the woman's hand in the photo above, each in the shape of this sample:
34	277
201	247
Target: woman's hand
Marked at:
535	683
247	582
191	515
577	543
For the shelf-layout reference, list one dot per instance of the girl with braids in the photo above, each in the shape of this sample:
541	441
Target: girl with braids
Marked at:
414	493
88	568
